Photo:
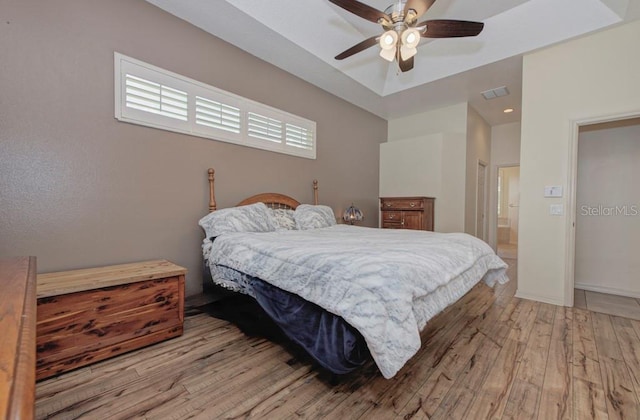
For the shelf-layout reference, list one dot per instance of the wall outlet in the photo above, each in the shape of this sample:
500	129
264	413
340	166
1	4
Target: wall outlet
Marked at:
556	209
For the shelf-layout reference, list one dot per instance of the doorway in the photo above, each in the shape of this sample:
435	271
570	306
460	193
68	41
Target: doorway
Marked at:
508	211
607	218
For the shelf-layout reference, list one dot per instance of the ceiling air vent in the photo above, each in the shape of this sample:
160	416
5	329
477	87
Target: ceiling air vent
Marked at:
495	92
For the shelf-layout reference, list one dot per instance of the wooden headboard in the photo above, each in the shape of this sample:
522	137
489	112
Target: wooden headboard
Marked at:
273	200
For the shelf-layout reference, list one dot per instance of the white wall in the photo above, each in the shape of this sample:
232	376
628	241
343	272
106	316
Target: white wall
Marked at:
505	150
426	156
478	149
451	119
429	166
411	167
591	77
465	139
452	195
607	233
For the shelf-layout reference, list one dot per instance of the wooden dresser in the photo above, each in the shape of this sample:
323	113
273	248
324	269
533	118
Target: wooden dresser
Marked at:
18	341
85	316
407	213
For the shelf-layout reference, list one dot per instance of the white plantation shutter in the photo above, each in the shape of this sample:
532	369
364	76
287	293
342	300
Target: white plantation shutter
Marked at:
217	115
150	96
299	137
263	127
153	97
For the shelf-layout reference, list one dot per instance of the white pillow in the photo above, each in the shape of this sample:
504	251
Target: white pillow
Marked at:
283	219
313	217
251	218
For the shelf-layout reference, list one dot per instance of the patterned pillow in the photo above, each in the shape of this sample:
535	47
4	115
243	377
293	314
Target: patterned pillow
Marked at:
313	217
283	219
251	218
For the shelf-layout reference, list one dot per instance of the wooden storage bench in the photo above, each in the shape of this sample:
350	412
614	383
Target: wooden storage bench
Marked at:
84	316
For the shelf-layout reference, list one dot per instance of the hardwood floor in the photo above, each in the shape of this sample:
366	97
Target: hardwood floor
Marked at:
490	355
507	251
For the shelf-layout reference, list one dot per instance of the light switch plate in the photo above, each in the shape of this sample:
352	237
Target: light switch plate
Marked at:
556	209
553	191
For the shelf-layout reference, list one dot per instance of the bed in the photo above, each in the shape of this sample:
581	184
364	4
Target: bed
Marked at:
343	293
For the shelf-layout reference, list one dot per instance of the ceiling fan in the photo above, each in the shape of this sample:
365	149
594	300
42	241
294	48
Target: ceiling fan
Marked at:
402	30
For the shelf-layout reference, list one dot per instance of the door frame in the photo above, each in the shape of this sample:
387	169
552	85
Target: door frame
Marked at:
497	203
485	201
572	184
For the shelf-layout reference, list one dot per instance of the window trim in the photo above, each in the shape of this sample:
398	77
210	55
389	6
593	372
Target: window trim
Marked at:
124	65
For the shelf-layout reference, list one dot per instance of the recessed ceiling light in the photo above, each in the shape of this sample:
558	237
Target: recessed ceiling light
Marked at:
508	110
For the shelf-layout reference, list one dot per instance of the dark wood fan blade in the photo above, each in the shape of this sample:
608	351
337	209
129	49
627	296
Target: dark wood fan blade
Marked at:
420	6
369	42
362	10
405	65
445	28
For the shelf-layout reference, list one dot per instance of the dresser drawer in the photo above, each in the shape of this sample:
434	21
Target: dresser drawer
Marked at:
391	225
402	204
392	216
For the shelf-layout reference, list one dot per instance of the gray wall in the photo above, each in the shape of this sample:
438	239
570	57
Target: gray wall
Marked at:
79	189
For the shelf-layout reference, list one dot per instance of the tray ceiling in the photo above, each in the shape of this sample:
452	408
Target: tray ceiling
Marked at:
303	37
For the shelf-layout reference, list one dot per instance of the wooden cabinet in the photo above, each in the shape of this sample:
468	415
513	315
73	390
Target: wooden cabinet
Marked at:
407	213
85	316
17	345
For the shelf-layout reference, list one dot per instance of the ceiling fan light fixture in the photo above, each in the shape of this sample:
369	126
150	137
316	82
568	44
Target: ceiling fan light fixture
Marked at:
403	32
388	40
410	38
407	52
388	54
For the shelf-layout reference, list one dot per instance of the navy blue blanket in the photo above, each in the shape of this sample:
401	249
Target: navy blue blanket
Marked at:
328	338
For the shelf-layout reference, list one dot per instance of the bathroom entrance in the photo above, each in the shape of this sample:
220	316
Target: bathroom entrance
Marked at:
508	209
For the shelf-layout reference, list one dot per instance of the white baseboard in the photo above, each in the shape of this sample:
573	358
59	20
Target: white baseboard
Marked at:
540	298
608	290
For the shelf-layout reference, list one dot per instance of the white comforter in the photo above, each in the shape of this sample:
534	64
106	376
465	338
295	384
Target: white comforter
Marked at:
385	283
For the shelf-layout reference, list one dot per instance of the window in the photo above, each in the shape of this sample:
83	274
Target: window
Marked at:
217	115
153	97
150	96
265	128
